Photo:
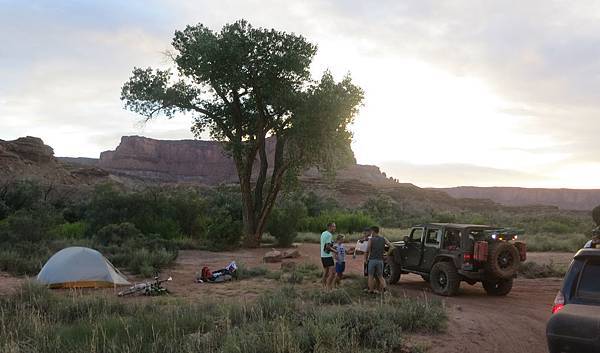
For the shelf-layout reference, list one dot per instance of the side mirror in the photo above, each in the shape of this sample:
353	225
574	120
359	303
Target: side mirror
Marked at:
405	238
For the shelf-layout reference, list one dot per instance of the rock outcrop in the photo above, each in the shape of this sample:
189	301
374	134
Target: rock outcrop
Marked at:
29	158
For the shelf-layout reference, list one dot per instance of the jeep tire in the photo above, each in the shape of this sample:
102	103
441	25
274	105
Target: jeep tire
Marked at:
444	279
503	260
498	287
395	270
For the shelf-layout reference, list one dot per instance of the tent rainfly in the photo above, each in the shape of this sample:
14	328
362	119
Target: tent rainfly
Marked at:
79	267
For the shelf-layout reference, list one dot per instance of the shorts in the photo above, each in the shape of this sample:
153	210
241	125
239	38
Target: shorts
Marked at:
340	267
327	261
375	268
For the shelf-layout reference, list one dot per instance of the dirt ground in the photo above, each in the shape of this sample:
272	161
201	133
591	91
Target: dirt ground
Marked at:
477	323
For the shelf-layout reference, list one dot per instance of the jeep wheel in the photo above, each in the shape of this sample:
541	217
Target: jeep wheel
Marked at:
394	271
498	287
444	279
503	260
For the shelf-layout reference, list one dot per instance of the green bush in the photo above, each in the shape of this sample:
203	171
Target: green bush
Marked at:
223	232
75	230
285	220
117	234
336	296
554	242
14	262
346	222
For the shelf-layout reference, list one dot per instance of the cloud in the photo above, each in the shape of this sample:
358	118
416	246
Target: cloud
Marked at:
62	65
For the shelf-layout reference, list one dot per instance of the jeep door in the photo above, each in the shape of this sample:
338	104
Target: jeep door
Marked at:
433	239
414	248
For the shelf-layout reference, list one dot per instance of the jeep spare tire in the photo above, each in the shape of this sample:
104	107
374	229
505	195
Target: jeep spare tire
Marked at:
503	260
444	279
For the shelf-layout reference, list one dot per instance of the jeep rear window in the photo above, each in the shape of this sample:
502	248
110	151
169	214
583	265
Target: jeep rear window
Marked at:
589	282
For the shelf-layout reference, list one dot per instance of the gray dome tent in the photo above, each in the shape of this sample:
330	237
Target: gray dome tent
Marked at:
79	267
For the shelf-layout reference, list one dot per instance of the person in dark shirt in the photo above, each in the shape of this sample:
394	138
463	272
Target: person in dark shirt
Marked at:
375	254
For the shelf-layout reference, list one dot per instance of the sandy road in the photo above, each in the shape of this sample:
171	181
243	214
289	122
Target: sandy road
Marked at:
477	323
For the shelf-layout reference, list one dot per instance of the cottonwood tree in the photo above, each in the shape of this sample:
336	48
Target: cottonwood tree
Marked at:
251	89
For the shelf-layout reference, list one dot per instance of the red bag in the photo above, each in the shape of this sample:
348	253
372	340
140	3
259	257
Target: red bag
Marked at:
205	274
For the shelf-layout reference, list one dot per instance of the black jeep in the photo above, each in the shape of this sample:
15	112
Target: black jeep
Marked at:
445	254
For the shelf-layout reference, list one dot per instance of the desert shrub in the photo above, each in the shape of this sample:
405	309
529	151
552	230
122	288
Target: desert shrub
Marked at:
336	296
223	232
276	275
309	270
117	234
534	270
24	194
28	225
347	222
14	262
315	204
75	230
284	221
244	272
554	242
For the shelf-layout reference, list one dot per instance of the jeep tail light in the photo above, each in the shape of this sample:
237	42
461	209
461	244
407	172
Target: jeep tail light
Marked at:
559	303
467	261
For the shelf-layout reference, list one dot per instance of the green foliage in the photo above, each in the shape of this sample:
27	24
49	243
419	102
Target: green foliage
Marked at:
285	220
347	222
336	296
279	321
28	225
554	242
223	233
117	234
24	194
75	230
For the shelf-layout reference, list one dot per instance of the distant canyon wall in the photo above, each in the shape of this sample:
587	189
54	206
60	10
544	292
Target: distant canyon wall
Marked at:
202	162
567	199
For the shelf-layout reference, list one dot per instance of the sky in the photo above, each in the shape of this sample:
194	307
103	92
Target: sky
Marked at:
485	93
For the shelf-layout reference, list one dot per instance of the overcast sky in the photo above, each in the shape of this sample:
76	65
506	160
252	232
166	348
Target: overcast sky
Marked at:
503	93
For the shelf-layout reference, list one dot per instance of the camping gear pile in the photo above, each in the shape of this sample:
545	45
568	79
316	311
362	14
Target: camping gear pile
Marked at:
223	275
79	267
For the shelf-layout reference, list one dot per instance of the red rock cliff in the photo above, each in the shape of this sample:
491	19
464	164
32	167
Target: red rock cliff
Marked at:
197	161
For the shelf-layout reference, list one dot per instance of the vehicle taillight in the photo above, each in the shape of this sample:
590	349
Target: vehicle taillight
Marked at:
559	303
467	261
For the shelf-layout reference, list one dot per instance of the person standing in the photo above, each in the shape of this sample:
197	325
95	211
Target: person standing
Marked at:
375	253
327	251
340	259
